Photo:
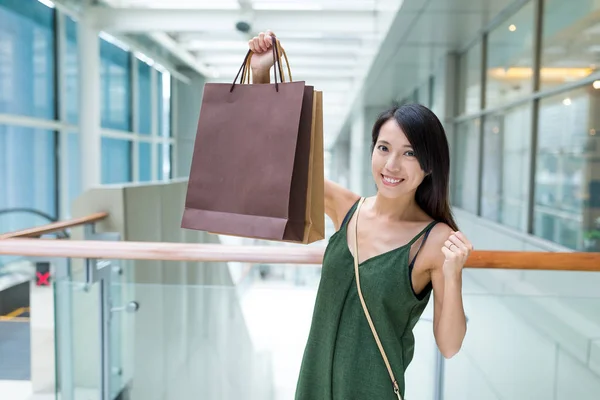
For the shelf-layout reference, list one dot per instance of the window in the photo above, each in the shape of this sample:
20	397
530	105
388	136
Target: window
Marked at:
27	174
164	104
470	80
116	160
567	190
115	84
570	41
164	161
506	147
27	59
466	161
145	161
144	98
510	58
74	164
71	72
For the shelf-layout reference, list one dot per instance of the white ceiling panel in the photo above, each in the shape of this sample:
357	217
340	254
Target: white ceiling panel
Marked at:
329	43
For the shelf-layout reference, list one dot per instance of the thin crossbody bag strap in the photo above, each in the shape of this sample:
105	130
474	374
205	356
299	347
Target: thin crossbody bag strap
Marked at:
364	305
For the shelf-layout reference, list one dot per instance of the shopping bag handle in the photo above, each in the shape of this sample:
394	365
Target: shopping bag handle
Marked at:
246	71
277	64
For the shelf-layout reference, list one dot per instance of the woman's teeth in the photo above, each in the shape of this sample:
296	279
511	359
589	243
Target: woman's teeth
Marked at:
391	180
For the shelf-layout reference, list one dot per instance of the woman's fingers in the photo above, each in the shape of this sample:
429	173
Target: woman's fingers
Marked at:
261	43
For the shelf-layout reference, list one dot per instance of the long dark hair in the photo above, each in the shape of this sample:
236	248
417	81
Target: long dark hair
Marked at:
426	134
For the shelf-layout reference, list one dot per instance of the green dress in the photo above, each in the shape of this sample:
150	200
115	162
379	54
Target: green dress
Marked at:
341	360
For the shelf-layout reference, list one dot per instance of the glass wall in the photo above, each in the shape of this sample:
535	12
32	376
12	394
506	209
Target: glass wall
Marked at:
115	87
144	98
506	157
71	72
565	204
40	163
116	160
27	59
509	59
145	161
470	80
567	170
28	164
466	161
569	41
27	174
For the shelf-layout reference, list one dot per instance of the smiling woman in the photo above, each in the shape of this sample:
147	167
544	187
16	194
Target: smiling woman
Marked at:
361	339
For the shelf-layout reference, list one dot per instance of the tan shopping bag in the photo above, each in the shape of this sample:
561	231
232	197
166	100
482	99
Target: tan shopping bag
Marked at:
315	203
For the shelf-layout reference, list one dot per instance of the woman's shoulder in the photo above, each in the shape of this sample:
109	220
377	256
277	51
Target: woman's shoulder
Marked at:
432	248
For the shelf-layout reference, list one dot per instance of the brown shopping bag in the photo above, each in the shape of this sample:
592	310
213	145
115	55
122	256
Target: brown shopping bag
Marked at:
315	208
249	172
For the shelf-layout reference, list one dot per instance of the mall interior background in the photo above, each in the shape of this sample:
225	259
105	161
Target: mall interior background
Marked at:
515	83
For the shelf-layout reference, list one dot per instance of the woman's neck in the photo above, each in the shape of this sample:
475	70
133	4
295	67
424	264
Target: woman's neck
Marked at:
403	208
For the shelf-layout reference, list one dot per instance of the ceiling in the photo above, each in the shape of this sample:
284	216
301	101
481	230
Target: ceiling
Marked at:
330	43
360	53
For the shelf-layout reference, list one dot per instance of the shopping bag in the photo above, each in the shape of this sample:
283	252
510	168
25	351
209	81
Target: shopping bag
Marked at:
315	208
249	171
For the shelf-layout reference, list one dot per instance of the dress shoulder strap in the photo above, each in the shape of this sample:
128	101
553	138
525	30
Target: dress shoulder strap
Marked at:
425	231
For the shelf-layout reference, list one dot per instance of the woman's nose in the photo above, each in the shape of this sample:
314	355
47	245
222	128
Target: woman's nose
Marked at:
393	164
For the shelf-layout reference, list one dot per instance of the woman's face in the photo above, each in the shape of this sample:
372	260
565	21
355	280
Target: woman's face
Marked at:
394	164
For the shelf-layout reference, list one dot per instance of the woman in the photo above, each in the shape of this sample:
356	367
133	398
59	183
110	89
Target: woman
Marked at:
409	247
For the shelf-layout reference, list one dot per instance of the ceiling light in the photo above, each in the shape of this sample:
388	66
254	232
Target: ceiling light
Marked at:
596	84
567	101
512	28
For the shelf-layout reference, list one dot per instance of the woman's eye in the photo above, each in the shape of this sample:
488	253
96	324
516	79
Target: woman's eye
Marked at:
382	147
410	153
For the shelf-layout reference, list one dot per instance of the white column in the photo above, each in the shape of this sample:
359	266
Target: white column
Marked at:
89	103
357	150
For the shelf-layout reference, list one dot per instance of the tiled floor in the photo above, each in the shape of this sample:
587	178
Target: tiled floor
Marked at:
21	390
15	351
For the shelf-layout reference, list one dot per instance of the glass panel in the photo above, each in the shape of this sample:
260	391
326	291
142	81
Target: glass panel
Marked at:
570	40
27	59
74	167
122	327
27	174
160	103
145	161
71	72
567	189
115	84
531	335
207	336
470	80
78	338
505	183
164	161
116	160
144	98
166	104
466	161
510	58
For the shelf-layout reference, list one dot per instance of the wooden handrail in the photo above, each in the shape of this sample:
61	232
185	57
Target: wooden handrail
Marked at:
55	226
272	254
